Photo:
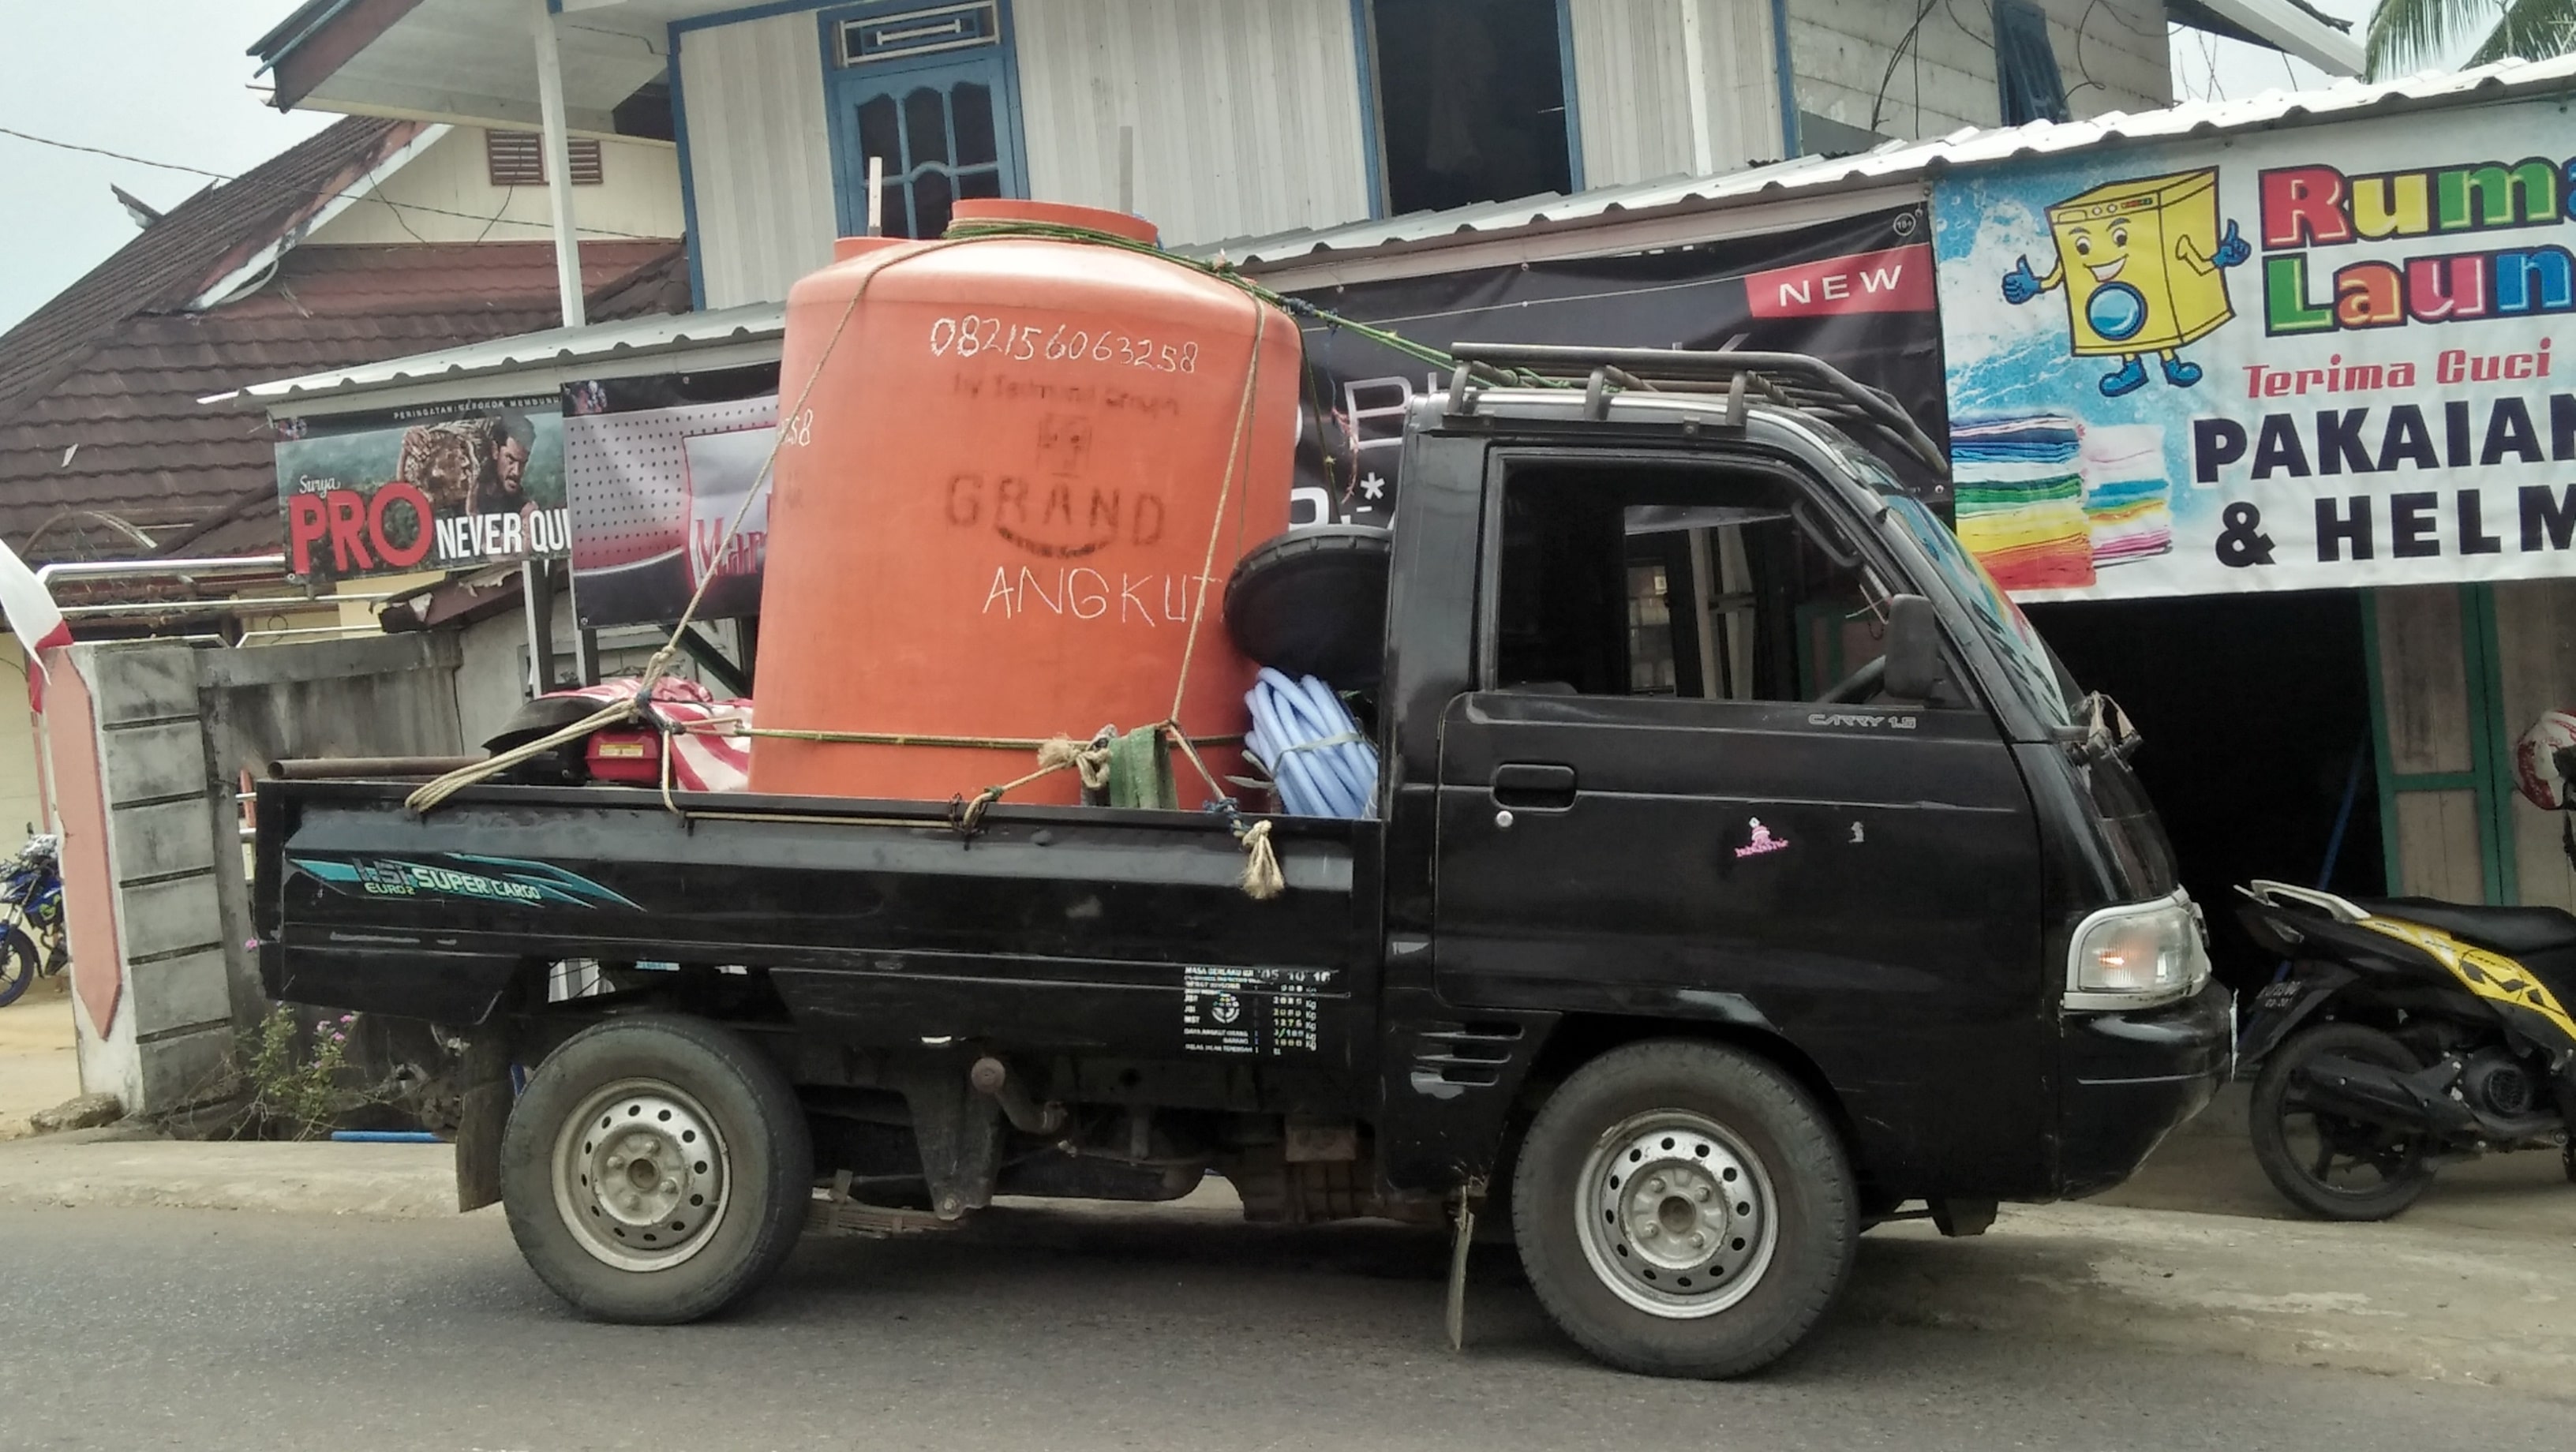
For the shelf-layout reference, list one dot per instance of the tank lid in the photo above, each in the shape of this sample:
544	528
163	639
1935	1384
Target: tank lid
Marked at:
845	248
1061	214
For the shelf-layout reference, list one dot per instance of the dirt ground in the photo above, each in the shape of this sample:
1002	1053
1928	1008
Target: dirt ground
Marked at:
38	1067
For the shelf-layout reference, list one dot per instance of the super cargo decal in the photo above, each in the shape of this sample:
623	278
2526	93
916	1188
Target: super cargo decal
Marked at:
2328	356
443	487
459	876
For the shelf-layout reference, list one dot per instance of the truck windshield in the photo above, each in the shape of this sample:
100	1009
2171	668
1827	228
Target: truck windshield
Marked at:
2033	669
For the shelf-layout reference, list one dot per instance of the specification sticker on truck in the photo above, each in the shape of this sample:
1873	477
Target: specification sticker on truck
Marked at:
1259	1011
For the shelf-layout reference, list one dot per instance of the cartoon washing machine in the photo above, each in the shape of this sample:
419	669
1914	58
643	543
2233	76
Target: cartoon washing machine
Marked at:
2144	268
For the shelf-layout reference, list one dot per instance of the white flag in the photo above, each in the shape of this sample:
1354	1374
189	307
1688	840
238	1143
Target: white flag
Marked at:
32	618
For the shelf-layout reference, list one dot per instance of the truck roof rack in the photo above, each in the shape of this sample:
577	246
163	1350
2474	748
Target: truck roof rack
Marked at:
1790	380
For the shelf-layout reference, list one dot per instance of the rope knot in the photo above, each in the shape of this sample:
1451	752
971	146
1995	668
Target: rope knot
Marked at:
1090	758
1262	879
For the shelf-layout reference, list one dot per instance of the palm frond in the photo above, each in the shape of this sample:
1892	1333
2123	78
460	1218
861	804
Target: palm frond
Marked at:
2406	35
2532	30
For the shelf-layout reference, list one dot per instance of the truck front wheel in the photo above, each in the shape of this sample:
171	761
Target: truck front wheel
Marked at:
656	1170
1683	1209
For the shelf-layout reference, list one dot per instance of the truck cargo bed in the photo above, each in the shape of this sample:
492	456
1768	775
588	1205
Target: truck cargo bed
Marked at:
1074	929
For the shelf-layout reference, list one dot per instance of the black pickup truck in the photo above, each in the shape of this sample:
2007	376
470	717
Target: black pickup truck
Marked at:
1745	871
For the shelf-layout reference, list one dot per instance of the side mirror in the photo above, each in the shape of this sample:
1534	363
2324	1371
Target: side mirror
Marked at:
1913	650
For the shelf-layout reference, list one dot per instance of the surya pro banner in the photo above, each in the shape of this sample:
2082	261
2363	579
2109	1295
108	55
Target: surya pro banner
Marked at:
658	469
2309	358
1857	293
437	488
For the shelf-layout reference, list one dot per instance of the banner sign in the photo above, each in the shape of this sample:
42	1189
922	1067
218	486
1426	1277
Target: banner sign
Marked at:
2310	358
443	487
1858	293
658	468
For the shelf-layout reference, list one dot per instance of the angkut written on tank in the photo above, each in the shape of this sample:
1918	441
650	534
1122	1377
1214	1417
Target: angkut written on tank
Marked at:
2322	356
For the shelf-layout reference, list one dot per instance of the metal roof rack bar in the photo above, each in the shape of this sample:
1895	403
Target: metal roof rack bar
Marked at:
1793	380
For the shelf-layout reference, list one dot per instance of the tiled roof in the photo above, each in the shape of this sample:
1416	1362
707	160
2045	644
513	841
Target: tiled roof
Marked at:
194	244
119	442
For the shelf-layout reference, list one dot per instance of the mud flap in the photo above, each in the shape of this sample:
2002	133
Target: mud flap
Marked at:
483	1112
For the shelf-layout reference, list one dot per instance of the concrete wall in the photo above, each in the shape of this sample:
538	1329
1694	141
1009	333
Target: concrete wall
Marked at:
2111	54
446	195
148	743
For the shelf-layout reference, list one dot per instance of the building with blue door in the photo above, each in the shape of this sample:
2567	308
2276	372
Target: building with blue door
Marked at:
1228	118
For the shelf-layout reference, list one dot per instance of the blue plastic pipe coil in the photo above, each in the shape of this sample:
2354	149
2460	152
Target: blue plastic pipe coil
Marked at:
1305	738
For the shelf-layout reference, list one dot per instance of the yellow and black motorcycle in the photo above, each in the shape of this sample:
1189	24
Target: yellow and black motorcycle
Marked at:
2407	1033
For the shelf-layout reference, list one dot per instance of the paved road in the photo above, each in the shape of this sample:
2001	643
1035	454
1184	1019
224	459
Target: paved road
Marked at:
1039	1329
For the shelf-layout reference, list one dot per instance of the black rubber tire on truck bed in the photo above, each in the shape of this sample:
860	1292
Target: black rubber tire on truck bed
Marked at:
674	1079
1627	1140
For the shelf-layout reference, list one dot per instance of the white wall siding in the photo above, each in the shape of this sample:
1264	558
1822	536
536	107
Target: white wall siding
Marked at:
1632	89
441	193
1246	112
760	157
1945	79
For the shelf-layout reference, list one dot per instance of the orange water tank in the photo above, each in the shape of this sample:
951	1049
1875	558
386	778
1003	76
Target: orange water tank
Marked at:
992	514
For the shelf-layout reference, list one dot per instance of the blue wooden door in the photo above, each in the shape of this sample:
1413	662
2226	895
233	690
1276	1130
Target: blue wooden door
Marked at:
927	91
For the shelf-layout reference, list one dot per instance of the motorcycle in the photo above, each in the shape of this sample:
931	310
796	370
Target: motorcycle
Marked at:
2406	1034
32	943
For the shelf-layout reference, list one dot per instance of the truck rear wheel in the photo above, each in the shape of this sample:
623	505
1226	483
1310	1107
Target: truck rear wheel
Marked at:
656	1170
1683	1209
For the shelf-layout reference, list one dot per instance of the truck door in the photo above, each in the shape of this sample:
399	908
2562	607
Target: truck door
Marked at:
1650	809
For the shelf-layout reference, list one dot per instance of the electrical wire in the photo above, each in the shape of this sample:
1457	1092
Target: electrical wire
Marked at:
282	190
1896	58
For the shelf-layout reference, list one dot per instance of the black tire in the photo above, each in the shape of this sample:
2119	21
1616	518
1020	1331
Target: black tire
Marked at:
2403	1174
672	1076
18	963
1723	1108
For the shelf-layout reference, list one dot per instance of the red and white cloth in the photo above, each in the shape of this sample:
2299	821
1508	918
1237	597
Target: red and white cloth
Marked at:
33	618
703	757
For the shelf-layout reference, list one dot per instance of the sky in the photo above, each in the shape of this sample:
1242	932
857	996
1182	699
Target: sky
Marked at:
166	80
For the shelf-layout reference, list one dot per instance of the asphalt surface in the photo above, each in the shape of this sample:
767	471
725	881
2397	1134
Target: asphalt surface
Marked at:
1055	1328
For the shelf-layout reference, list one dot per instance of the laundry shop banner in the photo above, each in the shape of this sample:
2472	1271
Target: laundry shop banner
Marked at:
444	487
1857	293
657	470
2325	356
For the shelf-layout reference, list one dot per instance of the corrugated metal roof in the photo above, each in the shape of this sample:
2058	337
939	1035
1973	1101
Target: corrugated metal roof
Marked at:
588	346
1901	161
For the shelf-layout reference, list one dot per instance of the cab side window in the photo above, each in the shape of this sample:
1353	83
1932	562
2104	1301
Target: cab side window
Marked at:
1628	580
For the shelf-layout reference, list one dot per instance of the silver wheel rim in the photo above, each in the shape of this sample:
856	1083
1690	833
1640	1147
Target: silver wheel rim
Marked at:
1677	1214
641	1175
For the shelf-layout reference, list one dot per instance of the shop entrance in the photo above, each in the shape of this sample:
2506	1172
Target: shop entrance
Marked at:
2256	713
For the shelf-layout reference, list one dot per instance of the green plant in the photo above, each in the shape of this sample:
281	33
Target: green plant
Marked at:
295	1089
2405	34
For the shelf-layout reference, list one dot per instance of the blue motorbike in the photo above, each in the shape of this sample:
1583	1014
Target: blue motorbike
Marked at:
32	944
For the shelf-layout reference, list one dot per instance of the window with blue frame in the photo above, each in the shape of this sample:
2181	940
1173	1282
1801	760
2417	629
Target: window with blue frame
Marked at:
928	91
1473	100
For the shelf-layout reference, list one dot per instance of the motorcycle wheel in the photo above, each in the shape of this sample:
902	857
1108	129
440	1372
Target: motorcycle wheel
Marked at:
18	961
2335	1168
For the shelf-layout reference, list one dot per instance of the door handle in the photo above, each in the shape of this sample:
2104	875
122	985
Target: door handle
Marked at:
1532	786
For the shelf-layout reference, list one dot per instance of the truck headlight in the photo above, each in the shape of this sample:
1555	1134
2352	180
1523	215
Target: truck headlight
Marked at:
2138	955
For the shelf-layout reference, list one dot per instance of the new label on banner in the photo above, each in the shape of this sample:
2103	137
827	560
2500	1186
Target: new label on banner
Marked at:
2313	358
438	488
1857	293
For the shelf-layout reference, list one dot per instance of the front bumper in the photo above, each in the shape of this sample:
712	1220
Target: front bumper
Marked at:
2131	1078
